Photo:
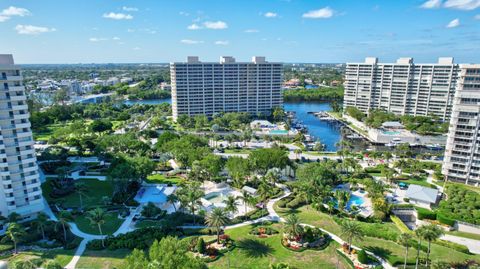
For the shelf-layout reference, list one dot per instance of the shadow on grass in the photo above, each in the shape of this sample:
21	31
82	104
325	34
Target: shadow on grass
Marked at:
254	248
382	252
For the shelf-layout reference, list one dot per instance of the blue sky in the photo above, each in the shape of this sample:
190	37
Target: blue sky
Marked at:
100	31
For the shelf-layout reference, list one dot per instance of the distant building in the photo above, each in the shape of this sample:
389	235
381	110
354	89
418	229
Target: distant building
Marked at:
208	88
165	86
126	80
422	196
334	83
404	87
462	154
20	190
392	125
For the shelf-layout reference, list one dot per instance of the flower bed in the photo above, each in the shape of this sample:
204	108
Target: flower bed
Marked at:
212	250
263	231
311	238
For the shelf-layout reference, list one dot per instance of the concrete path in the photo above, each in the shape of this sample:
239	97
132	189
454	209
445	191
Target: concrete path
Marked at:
78	253
472	244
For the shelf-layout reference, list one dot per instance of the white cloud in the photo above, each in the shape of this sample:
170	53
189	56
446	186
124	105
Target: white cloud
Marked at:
129	8
251	31
222	42
12	11
97	39
323	13
462	4
194	27
116	38
15	11
215	25
191	42
477	17
136	48
454	23
270	14
32	30
183	13
117	16
130	30
432	4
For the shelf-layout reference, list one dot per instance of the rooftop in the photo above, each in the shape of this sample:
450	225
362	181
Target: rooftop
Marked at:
421	193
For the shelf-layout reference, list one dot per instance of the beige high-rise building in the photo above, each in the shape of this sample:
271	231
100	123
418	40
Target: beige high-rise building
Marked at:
207	88
404	87
20	190
462	154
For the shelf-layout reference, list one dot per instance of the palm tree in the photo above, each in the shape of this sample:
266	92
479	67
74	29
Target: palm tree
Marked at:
82	190
400	164
231	204
97	217
245	196
351	230
252	201
264	191
388	172
331	206
15	232
41	222
292	225
217	218
404	240
172	199
297	152
431	233
419	233
273	175
63	218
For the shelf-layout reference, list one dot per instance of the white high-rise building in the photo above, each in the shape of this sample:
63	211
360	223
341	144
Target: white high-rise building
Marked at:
462	154
20	190
404	87
207	88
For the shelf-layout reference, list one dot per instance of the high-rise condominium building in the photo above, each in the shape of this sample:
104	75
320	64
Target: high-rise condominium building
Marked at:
462	154
404	87
207	88
20	187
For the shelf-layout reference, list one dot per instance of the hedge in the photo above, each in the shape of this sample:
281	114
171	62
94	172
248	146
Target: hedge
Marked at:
452	245
423	213
400	224
346	258
445	220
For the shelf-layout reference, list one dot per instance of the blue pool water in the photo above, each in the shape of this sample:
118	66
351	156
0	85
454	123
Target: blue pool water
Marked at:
355	200
278	132
391	132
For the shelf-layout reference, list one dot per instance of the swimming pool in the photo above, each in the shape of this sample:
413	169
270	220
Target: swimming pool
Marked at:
391	132
155	194
355	200
279	132
214	197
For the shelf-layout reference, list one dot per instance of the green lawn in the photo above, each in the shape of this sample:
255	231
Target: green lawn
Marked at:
96	190
253	252
162	179
112	222
239	151
46	132
388	249
103	259
61	256
147	223
466	235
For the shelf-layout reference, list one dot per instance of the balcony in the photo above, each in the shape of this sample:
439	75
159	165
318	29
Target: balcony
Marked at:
19	78
21	116
18	97
20	107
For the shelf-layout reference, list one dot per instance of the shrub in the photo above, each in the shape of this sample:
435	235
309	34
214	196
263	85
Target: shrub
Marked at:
295	203
400	224
53	265
452	245
72	244
363	257
424	213
445	220
201	247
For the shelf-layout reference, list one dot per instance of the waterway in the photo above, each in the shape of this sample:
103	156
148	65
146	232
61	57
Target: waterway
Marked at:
327	133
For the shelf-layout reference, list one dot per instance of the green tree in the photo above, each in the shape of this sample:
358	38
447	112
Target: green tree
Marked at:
97	218
136	260
41	222
217	218
82	190
238	168
172	199
231	204
15	233
431	233
63	218
201	247
292	225
351	230
189	194
52	264
404	240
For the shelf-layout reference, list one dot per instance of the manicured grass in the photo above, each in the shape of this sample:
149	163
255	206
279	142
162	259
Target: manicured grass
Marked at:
162	179
464	234
46	132
239	151
103	259
112	222
61	256
390	250
253	252
96	190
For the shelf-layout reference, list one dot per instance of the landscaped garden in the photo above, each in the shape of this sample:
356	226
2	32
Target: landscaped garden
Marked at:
164	179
